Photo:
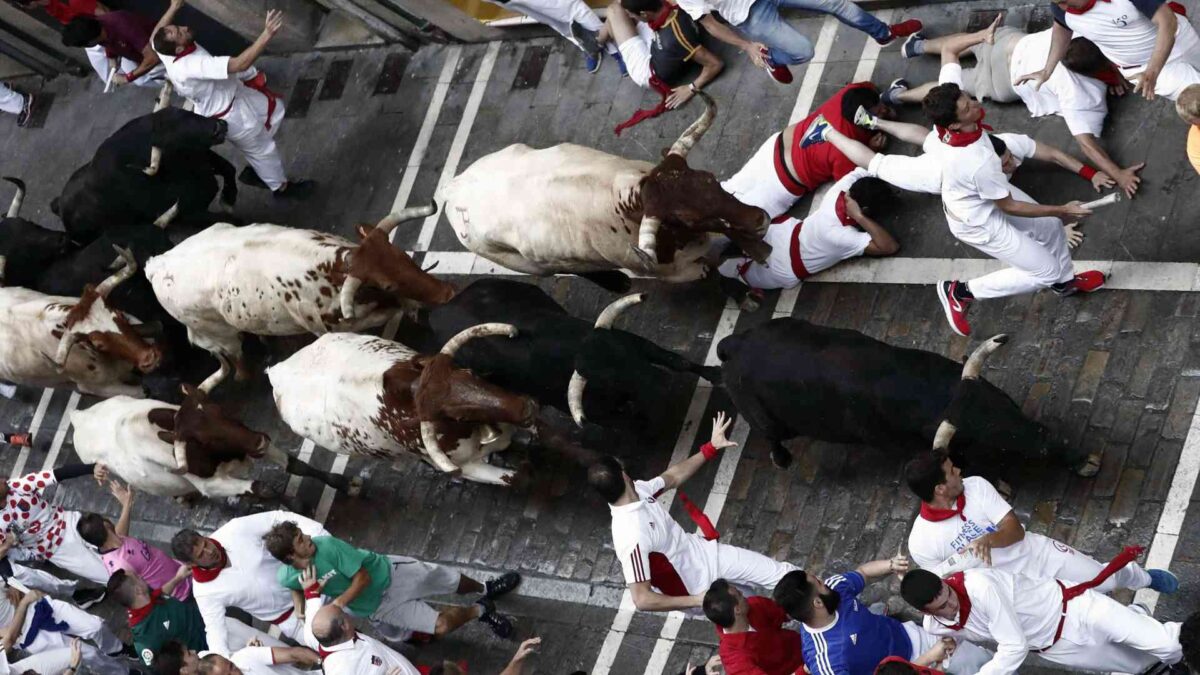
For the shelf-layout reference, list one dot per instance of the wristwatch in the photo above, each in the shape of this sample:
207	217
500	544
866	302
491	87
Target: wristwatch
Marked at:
692	86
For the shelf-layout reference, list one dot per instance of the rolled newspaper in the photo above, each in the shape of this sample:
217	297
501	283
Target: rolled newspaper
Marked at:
1104	201
108	84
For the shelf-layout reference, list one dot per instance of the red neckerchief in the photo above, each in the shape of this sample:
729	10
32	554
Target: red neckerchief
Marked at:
188	50
1085	8
661	18
321	652
922	670
206	574
937	515
960	139
839	207
139	615
955	582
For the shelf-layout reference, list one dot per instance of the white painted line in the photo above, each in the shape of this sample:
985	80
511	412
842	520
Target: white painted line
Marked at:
61	434
305	455
459	144
816	68
35	426
870	53
327	494
426	133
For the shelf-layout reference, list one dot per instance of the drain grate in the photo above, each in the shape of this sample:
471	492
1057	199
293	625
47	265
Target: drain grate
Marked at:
533	64
392	75
302	97
335	80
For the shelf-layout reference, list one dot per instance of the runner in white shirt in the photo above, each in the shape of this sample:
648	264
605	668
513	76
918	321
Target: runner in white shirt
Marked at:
230	88
665	567
36	624
232	568
1002	53
1078	628
257	659
965	522
843	227
1151	45
343	650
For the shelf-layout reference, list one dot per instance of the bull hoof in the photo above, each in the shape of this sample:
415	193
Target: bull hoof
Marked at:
1090	466
354	487
781	457
262	490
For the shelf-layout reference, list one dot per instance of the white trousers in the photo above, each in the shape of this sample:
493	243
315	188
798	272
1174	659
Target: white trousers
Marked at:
636	53
99	60
49	661
1035	250
86	627
776	272
557	14
1177	74
43	581
1101	634
1060	561
968	657
757	184
248	133
76	556
10	101
745	567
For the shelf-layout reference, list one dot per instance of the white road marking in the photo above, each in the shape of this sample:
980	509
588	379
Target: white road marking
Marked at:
61	434
35	426
305	455
816	68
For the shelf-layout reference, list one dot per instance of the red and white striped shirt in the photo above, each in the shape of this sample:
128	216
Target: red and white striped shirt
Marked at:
37	523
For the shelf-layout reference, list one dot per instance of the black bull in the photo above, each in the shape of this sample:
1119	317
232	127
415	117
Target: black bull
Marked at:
625	372
113	188
790	378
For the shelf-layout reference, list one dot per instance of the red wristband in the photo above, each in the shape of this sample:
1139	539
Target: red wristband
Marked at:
312	592
1087	172
129	77
709	451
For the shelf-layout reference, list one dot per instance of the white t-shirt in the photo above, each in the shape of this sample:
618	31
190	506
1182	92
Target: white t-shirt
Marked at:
824	240
932	542
203	79
972	179
1124	34
1079	99
254	660
644	528
733	11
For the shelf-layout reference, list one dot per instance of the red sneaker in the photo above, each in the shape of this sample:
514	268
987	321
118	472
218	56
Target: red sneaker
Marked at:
781	74
19	440
1084	282
902	29
956	309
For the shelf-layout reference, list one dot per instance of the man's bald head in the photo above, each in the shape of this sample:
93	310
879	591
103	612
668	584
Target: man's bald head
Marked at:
331	626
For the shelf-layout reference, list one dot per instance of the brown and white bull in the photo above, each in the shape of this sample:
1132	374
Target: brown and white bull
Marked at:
56	341
174	451
273	280
574	210
358	394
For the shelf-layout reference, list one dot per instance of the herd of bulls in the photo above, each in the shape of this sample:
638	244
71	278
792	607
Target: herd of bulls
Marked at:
155	332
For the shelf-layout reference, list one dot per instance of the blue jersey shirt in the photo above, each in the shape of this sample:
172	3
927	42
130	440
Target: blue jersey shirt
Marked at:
857	640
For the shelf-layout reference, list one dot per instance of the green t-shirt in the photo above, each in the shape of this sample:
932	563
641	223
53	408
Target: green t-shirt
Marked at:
169	619
339	562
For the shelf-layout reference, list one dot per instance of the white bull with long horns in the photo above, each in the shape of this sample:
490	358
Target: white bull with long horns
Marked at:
574	210
358	394
273	280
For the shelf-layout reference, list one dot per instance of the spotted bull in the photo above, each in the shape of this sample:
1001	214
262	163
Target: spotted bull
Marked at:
55	341
273	280
173	451
790	378
574	210
380	398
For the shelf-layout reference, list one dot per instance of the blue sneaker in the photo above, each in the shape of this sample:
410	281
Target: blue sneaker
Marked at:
592	61
914	46
815	132
1163	581
897	87
620	64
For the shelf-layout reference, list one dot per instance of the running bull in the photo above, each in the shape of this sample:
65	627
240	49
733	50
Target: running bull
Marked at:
273	280
791	378
55	341
175	451
380	398
574	210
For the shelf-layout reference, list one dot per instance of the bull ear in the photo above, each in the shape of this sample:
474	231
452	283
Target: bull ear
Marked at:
364	230
166	437
187	389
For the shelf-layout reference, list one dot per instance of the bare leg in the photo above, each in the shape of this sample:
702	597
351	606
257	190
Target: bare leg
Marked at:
452	618
619	25
950	47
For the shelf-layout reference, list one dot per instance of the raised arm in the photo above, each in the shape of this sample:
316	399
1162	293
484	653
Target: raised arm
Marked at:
124	496
517	665
678	474
881	568
180	574
854	150
168	17
242	62
728	35
149	60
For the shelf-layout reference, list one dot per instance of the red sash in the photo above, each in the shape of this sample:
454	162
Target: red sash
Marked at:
920	670
798	267
786	179
955	582
1069	593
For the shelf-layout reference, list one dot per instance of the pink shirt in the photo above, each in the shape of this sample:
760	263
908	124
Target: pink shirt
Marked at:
149	563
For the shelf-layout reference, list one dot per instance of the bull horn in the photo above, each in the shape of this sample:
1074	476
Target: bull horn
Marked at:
439	458
216	378
648	237
164	100
391	220
482	330
181	464
155	161
3	264
128	267
346	297
14	209
578	382
68	341
974	365
167	216
692	134
945	432
164	96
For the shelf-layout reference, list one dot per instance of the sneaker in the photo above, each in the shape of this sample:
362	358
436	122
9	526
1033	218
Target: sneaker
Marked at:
248	176
501	625
86	597
956	309
592	62
890	96
505	583
620	64
20	440
781	74
864	119
1084	282
815	132
587	39
1163	581
26	111
296	189
901	29
914	46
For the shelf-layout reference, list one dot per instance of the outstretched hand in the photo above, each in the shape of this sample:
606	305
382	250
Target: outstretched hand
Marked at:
721	424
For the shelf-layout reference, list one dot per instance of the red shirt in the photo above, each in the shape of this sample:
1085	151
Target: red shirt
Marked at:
65	10
769	649
821	163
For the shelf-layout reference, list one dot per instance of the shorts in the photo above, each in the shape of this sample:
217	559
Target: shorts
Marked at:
991	78
413	580
636	53
758	184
